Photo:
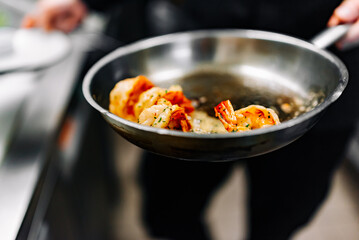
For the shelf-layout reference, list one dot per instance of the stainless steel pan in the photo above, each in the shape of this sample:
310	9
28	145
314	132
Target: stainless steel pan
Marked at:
244	66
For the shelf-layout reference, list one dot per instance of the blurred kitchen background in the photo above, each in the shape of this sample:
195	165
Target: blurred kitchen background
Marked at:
64	174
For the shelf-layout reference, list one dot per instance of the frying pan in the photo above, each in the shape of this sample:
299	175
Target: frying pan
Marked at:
245	66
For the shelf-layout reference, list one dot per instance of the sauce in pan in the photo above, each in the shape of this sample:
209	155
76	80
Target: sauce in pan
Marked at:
208	88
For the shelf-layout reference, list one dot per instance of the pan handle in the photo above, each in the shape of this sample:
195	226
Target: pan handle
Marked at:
330	36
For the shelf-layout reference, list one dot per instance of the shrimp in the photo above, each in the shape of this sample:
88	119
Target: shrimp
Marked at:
148	99
174	95
179	119
165	115
125	95
251	117
177	97
137	99
156	116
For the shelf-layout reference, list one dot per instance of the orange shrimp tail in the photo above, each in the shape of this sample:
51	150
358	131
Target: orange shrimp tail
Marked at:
141	85
177	97
225	112
179	120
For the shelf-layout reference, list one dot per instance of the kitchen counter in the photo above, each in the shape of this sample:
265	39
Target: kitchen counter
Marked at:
30	120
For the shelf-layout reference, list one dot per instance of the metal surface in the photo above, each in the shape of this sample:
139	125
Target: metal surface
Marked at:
32	108
32	140
32	50
249	66
22	6
330	35
14	88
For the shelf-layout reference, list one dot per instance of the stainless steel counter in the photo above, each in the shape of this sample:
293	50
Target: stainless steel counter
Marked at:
29	126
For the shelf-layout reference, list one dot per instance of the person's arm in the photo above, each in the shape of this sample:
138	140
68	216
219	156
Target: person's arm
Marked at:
347	12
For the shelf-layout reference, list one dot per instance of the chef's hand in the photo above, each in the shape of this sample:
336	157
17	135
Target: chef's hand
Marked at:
347	12
63	15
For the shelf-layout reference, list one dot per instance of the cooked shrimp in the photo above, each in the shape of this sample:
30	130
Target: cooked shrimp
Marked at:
165	115
125	95
179	119
174	95
148	99
156	116
251	117
177	97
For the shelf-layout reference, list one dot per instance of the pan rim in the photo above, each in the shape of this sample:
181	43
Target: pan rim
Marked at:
245	33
